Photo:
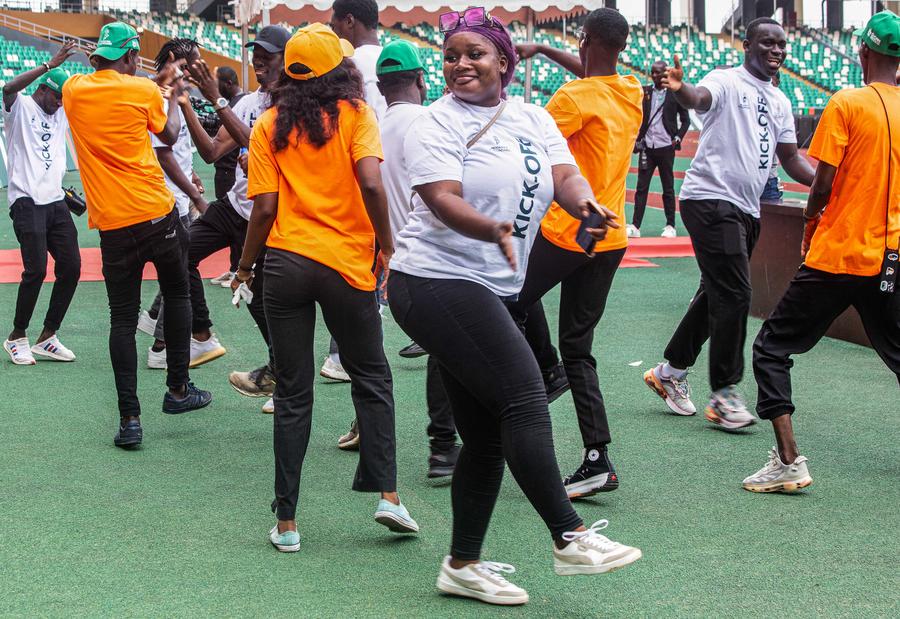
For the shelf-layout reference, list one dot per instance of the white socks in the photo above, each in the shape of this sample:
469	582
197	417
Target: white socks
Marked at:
667	371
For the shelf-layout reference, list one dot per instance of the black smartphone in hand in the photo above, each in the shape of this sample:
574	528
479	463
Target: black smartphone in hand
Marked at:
585	240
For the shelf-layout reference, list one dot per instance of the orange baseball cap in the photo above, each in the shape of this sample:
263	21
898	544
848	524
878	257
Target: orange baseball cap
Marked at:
313	51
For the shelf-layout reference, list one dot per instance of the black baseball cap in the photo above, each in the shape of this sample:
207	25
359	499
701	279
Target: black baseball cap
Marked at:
272	39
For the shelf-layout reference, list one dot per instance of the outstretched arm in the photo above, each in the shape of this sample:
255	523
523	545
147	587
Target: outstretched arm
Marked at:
210	149
795	164
209	88
24	80
569	62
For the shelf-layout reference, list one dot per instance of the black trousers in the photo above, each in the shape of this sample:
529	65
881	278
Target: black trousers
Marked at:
219	227
42	228
664	159
294	285
224	181
158	307
124	253
585	287
723	237
441	428
498	400
811	303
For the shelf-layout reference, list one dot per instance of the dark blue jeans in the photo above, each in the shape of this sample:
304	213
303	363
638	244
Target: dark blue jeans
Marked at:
498	399
125	252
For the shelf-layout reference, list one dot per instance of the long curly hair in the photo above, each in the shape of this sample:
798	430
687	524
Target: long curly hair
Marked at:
311	106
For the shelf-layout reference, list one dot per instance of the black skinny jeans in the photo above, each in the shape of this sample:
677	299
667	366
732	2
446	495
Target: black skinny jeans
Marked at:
723	237
585	287
664	159
219	227
294	284
42	228
124	252
498	400
811	303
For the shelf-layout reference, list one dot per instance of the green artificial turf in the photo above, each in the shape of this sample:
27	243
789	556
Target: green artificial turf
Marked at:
179	528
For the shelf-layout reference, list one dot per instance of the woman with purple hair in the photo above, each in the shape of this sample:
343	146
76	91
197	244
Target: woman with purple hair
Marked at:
484	171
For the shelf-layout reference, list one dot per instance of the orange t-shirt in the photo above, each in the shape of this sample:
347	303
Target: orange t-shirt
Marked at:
600	117
110	115
321	214
853	136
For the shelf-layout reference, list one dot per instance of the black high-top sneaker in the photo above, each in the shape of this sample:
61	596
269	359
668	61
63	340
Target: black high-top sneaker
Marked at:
596	474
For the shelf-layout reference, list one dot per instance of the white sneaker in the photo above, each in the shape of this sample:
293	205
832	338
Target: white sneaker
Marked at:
632	232
776	476
591	553
156	360
482	581
223	280
19	351
204	352
675	391
334	371
146	324
269	407
52	348
727	409
669	232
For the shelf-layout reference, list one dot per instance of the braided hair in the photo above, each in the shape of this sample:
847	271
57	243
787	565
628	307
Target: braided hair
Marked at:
178	47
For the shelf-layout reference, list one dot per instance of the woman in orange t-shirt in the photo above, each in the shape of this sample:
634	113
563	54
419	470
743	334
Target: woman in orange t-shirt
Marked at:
319	206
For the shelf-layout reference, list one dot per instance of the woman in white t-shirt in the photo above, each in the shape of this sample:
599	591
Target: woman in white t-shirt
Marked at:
477	208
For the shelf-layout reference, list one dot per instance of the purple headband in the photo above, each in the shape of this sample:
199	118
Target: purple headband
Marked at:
501	40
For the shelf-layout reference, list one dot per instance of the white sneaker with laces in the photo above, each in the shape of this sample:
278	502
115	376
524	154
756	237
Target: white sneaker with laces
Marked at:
204	352
675	391
669	232
334	371
146	324
156	360
589	552
776	476
727	409
482	581
52	348
269	407
223	280
632	232
19	351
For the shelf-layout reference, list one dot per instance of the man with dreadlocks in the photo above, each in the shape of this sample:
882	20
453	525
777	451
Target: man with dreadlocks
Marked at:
177	163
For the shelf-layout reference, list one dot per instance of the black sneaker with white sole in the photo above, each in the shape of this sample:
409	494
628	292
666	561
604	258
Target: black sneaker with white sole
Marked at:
556	382
596	474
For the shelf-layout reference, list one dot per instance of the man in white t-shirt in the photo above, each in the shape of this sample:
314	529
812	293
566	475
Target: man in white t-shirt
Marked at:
357	21
225	221
401	79
36	128
746	121
177	163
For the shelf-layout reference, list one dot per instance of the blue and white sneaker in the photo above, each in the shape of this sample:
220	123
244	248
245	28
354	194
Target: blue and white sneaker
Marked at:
289	541
395	517
52	348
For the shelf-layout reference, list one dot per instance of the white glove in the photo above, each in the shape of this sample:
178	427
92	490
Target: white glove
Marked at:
242	292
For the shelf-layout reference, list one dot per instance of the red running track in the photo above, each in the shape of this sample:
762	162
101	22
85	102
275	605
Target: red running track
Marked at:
637	255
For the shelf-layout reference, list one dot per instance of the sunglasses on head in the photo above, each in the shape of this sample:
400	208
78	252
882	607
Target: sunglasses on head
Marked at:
475	16
129	40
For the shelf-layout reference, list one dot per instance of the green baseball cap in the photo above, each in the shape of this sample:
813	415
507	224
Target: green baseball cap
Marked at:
116	39
882	34
54	79
398	55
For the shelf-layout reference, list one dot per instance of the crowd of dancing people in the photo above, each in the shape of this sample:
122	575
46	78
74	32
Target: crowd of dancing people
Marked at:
336	186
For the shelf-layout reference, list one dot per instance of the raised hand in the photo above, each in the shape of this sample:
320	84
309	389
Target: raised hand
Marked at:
673	78
67	49
526	50
205	80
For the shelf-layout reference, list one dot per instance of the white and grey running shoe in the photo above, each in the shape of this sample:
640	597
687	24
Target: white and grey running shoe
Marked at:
589	552
776	476
727	409
675	391
482	581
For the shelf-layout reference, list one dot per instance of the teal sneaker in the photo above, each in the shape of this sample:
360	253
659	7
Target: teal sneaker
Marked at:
289	541
395	517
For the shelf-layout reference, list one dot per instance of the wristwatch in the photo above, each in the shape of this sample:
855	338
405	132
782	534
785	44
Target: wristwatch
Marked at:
220	104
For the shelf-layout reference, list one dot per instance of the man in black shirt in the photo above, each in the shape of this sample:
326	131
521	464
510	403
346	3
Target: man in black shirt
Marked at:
664	126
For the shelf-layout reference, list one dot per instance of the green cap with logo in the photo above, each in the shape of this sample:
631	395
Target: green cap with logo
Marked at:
882	34
116	39
54	79
398	55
